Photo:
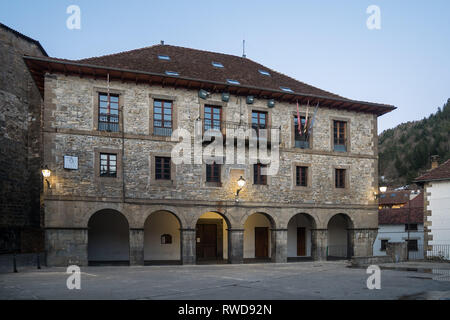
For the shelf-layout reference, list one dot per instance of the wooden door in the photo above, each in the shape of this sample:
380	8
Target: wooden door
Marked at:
206	241
261	242
301	242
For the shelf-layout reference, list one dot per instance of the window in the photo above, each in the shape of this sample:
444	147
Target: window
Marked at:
164	57
412	245
162	118
231	81
259	121
383	245
108	165
411	227
162	168
265	73
108	112
340	139
301	176
286	89
340	178
166	239
258	178
301	140
217	64
172	73
213	172
213	118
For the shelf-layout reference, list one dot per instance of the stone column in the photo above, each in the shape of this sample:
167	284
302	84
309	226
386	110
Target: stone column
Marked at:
136	247
279	245
319	244
188	243
66	247
235	246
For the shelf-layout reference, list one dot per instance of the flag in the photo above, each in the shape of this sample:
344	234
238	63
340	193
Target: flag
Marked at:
108	104
313	118
299	121
306	119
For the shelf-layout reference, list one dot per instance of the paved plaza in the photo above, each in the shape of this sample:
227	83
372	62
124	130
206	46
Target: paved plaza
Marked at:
301	280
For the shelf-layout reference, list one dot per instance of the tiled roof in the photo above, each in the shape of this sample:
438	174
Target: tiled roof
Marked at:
440	173
197	64
394	197
413	208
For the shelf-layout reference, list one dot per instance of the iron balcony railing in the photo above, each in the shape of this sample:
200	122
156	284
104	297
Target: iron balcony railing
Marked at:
437	252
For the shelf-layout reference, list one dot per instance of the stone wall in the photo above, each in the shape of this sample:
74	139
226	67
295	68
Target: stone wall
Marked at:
20	122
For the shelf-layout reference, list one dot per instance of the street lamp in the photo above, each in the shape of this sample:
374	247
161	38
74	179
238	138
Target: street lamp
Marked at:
382	190
241	184
46	173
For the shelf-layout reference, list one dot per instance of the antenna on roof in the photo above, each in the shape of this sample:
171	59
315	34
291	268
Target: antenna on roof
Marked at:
243	49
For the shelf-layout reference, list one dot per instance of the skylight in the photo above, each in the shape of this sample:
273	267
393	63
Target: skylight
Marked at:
163	57
263	72
231	81
286	89
172	73
217	64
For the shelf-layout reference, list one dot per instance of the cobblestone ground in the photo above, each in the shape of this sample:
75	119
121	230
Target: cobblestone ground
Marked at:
305	280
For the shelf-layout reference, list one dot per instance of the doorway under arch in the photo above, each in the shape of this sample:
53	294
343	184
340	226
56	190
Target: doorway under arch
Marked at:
299	237
162	241
212	238
258	242
108	238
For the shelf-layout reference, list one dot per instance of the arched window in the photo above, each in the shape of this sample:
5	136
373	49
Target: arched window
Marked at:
166	239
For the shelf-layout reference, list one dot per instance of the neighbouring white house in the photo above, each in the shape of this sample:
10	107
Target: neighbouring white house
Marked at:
436	184
400	219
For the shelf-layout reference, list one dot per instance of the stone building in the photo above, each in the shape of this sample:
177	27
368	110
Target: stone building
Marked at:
20	122
115	194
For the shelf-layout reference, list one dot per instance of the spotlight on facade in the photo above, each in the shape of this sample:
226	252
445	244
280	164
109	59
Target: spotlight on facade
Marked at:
241	184
383	189
271	103
203	94
225	97
250	99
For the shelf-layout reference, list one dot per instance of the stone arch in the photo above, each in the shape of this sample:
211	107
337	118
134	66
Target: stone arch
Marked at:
162	238
108	238
339	242
299	236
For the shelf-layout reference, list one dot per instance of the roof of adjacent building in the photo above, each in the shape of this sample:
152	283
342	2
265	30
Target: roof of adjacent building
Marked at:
21	35
394	197
412	212
440	173
194	69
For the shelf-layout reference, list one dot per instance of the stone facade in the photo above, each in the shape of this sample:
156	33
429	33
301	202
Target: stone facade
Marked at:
20	146
75	195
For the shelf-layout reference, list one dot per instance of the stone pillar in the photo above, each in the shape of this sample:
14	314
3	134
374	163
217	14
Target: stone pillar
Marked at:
66	247
235	246
279	245
361	241
136	247
188	242
319	244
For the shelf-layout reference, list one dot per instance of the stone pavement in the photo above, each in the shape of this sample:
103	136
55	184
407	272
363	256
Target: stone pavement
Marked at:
301	280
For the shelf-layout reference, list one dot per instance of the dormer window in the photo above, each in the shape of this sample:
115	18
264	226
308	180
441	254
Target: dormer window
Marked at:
217	64
163	57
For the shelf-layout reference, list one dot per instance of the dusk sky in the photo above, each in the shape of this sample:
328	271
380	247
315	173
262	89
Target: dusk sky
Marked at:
323	43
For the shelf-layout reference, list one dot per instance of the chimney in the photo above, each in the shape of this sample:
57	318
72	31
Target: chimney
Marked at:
162	42
434	162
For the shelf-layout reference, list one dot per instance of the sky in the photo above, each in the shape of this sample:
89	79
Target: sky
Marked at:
327	44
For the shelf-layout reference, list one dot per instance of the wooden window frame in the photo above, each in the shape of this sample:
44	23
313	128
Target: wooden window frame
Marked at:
97	161
152	167
346	133
96	107
156	97
301	176
163	114
338	178
162	170
216	177
295	133
258	178
309	181
109	161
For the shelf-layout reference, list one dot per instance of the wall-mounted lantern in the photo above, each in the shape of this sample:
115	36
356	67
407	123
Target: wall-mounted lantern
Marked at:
46	173
241	184
382	190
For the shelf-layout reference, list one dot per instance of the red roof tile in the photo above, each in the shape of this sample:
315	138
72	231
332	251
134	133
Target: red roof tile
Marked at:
440	173
394	197
414	209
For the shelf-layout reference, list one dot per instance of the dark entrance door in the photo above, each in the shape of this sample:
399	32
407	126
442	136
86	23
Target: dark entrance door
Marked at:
206	241
261	242
301	242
